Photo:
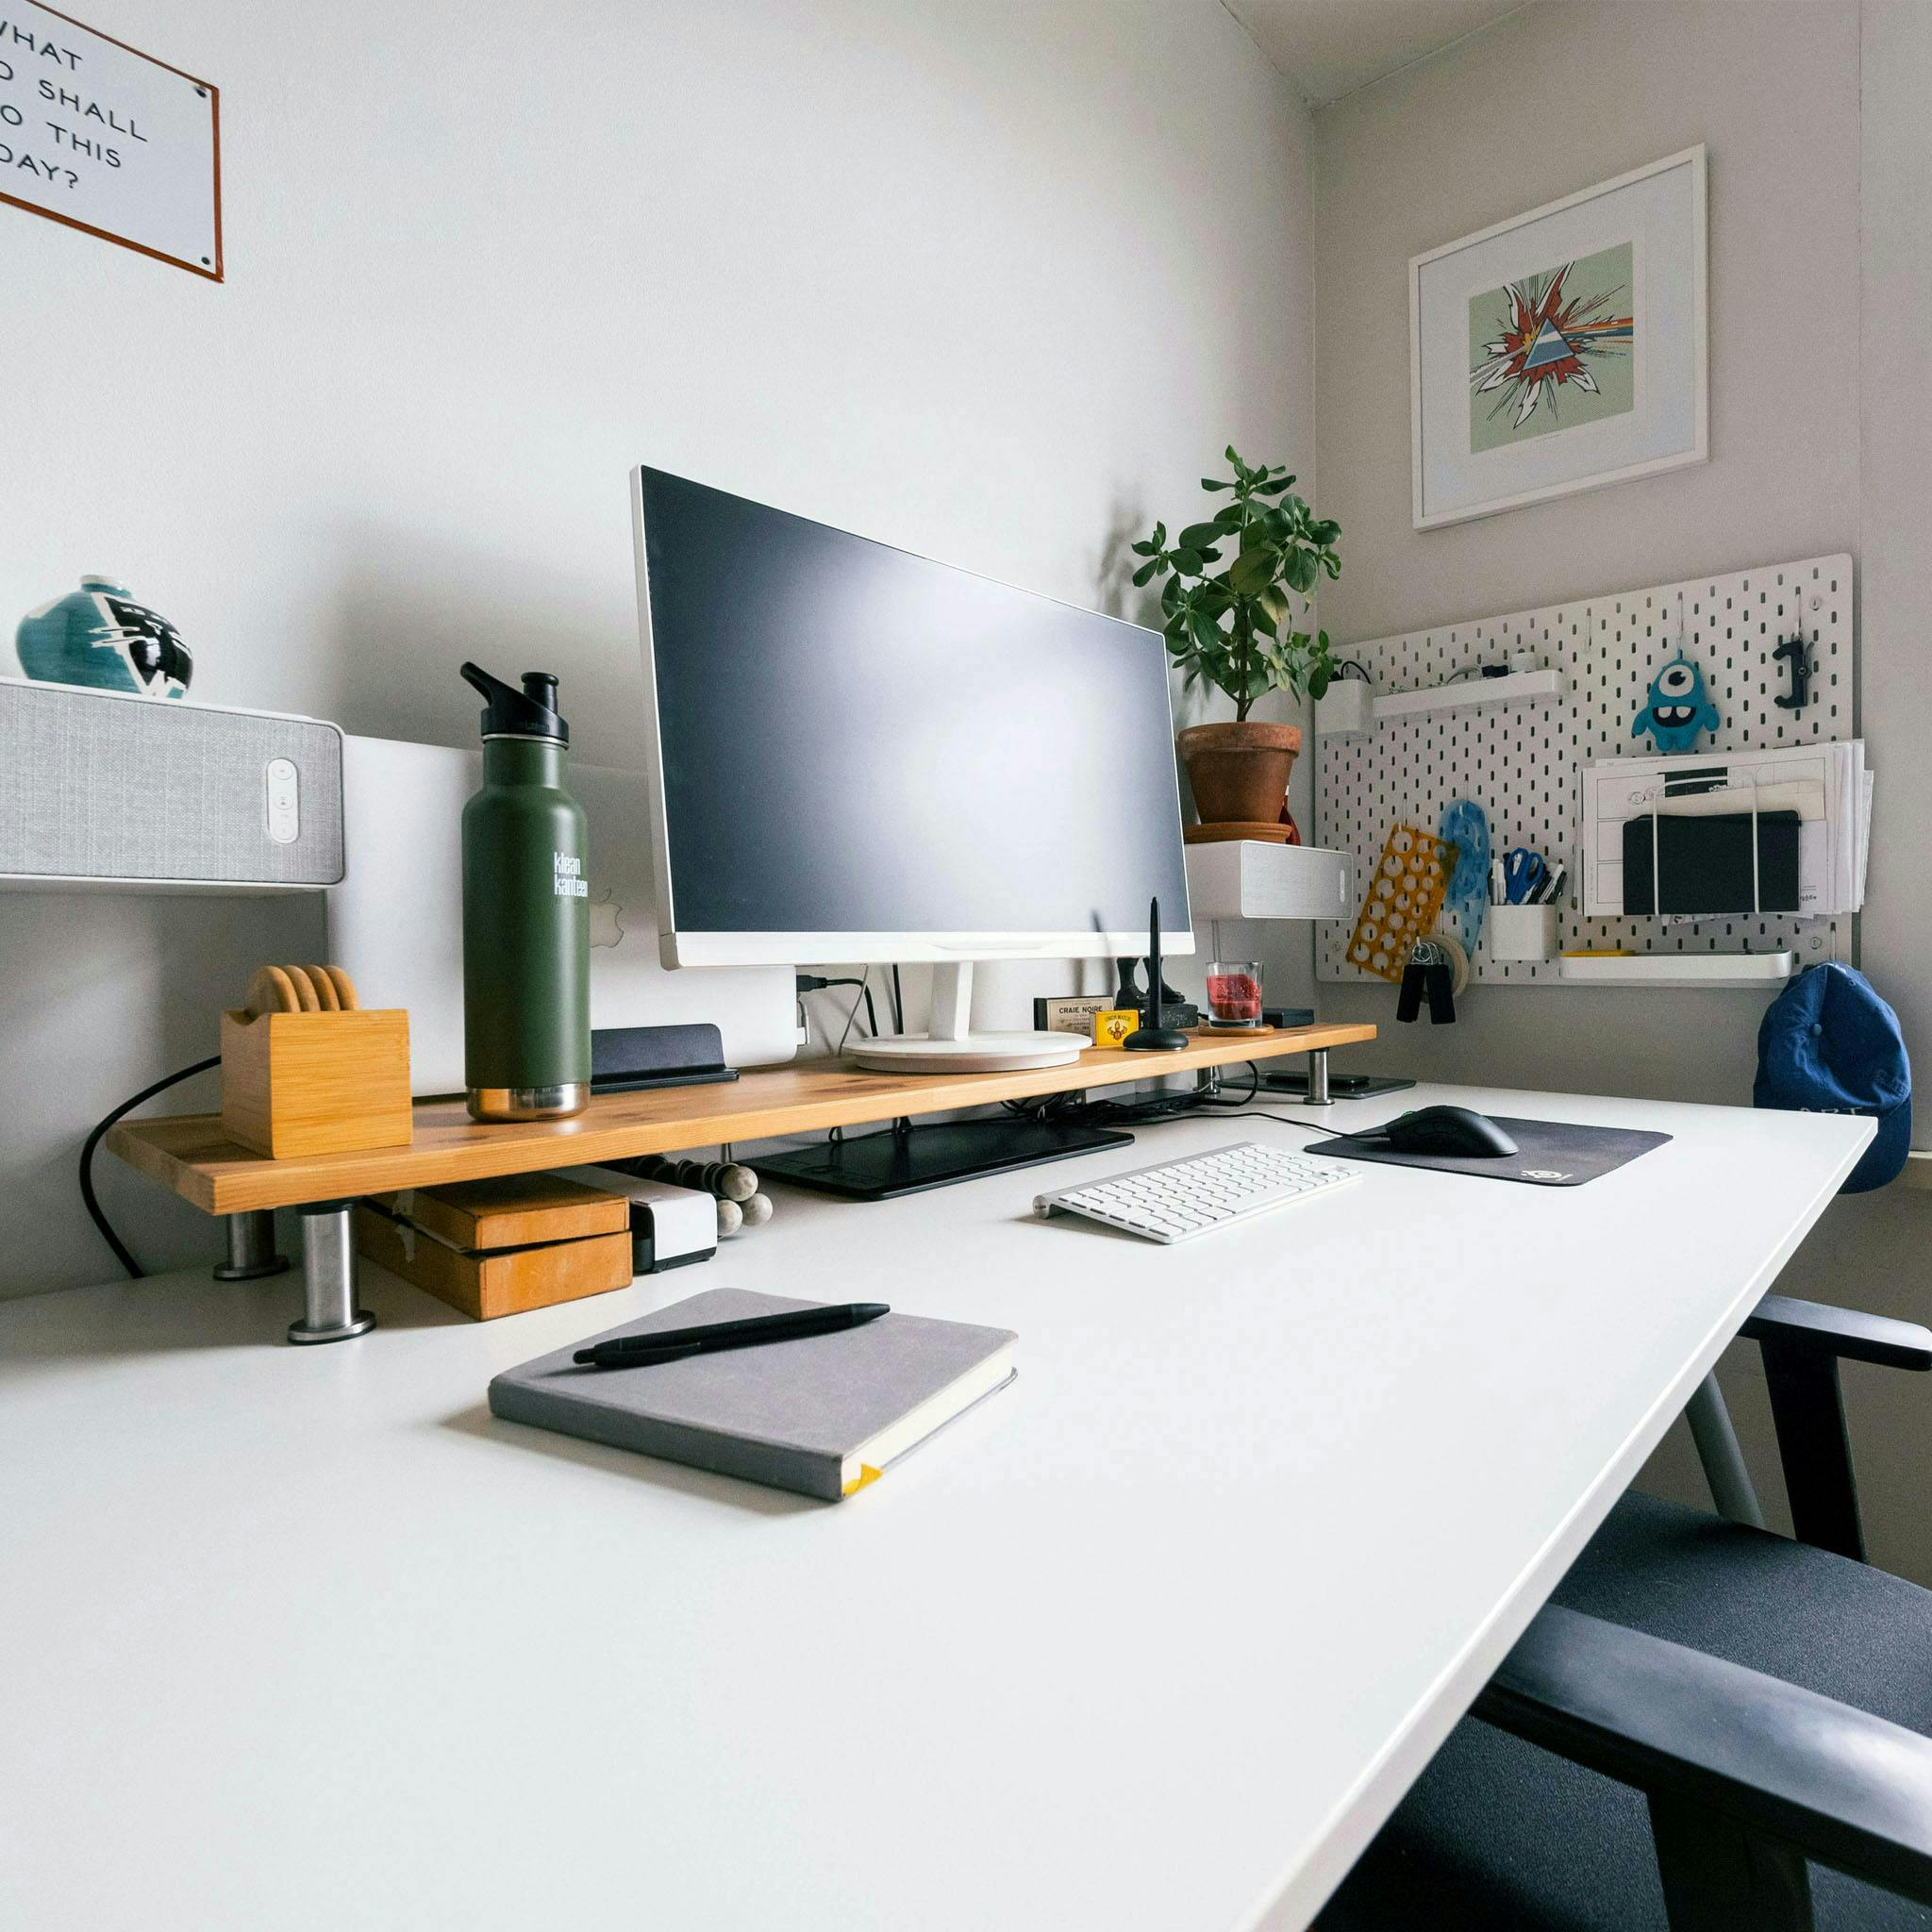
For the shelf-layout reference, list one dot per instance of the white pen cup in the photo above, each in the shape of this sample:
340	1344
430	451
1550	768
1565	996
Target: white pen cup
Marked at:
1522	932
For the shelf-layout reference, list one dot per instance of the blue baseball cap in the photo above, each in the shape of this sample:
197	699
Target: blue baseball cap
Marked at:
1829	1044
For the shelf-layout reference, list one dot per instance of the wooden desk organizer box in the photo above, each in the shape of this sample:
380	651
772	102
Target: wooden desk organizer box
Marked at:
296	1084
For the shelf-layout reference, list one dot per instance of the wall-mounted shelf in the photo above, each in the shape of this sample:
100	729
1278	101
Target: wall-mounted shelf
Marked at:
1473	693
1682	968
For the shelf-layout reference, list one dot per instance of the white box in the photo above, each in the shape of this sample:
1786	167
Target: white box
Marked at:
669	1225
1248	879
1522	932
1346	708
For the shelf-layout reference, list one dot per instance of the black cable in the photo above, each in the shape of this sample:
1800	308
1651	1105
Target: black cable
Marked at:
898	1004
1261	1113
134	1271
812	982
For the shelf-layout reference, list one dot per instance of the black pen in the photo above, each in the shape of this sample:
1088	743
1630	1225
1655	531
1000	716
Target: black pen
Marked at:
674	1344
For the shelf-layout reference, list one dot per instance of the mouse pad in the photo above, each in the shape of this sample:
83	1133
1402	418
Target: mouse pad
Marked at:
1549	1153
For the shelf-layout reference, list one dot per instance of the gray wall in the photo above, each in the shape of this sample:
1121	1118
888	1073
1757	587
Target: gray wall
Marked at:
1821	171
993	282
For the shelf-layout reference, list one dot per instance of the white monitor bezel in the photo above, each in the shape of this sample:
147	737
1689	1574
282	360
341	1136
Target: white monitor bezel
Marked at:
687	948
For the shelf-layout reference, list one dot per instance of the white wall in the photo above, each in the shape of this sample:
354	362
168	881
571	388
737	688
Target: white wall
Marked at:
1548	102
1820	365
993	282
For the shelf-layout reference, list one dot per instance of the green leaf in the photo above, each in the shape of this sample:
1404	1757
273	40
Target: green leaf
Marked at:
1301	570
1262	618
1144	575
1229	453
1176	631
1148	549
1214	483
1319	680
1206	633
1276	486
1323	533
1231	517
1252	572
1331	563
1189	561
1273	600
1171	595
1199	536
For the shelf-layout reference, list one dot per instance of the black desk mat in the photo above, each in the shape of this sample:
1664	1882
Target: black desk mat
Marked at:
1550	1154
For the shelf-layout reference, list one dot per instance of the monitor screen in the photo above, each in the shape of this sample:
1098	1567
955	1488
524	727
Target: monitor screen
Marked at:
855	741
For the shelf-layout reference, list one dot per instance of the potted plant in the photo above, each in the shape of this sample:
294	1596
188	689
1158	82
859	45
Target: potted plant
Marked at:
1231	628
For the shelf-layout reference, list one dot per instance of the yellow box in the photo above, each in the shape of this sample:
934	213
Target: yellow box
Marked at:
1111	1027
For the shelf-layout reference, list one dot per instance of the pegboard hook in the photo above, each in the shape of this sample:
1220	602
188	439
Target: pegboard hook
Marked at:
1795	648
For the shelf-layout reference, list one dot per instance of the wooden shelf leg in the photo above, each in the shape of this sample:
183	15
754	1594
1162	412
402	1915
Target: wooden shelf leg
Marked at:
328	1276
251	1247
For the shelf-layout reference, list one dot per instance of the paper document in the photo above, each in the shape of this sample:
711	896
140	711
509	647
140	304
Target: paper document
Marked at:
1826	785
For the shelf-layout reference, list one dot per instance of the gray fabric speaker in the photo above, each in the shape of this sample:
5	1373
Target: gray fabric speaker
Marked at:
97	788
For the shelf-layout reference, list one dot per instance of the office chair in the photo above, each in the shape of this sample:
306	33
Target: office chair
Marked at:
1711	1729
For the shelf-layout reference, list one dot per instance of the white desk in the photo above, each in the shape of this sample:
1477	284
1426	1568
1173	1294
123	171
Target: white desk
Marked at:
1155	1639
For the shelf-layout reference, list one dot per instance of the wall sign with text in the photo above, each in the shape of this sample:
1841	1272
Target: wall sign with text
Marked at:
107	139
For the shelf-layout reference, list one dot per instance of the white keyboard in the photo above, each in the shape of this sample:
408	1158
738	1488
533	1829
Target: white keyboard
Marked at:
1175	1200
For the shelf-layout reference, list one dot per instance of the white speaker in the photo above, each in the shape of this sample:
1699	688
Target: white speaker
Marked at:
111	790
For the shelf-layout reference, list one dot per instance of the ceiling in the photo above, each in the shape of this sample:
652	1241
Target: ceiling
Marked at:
1328	48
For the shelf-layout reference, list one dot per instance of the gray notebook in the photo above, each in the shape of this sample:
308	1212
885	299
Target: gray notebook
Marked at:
823	1416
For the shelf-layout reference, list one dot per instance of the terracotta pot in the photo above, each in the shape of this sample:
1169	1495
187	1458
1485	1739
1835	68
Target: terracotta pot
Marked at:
1239	772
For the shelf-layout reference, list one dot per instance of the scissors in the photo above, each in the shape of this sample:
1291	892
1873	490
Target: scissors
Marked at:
1524	872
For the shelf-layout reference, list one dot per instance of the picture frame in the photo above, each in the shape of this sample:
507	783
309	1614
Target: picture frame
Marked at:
1563	350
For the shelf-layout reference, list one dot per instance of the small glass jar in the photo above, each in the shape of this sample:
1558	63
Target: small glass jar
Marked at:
1233	993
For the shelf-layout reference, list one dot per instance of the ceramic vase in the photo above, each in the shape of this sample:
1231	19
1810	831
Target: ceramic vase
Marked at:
100	638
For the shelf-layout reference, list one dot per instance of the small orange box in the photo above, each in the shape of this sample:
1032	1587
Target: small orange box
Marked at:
1111	1027
316	1083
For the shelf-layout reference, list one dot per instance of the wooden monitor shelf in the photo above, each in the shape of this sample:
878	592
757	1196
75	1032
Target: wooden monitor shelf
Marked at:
189	1152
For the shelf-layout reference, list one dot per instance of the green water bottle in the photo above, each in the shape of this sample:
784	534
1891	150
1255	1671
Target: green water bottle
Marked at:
526	913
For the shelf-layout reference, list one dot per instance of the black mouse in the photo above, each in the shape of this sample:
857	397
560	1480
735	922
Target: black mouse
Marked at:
1447	1130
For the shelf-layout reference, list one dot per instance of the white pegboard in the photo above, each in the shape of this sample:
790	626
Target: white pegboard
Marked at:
1520	761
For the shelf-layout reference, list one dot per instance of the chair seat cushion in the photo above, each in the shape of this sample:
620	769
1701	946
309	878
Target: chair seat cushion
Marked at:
1497	1833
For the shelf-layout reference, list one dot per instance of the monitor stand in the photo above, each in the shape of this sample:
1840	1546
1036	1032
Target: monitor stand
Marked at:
952	1047
906	1159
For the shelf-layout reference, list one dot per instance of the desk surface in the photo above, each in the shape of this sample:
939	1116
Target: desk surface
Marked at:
190	1154
1154	1638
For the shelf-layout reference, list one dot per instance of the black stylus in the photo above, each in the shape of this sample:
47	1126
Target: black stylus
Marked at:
671	1344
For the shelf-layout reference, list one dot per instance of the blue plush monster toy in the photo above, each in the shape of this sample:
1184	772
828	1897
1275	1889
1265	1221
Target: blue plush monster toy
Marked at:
1678	709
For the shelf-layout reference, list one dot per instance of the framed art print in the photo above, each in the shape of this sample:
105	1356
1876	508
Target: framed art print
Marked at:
1562	350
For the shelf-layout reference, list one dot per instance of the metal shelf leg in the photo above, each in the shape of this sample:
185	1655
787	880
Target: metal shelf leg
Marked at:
1317	1078
328	1276
251	1247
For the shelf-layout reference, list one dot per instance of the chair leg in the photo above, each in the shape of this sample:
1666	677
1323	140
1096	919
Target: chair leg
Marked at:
1809	1408
1718	1878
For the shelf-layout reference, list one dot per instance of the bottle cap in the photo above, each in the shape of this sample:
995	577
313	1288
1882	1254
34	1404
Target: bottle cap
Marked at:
511	713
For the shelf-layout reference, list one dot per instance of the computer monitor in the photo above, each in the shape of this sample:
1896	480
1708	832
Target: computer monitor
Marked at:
860	755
